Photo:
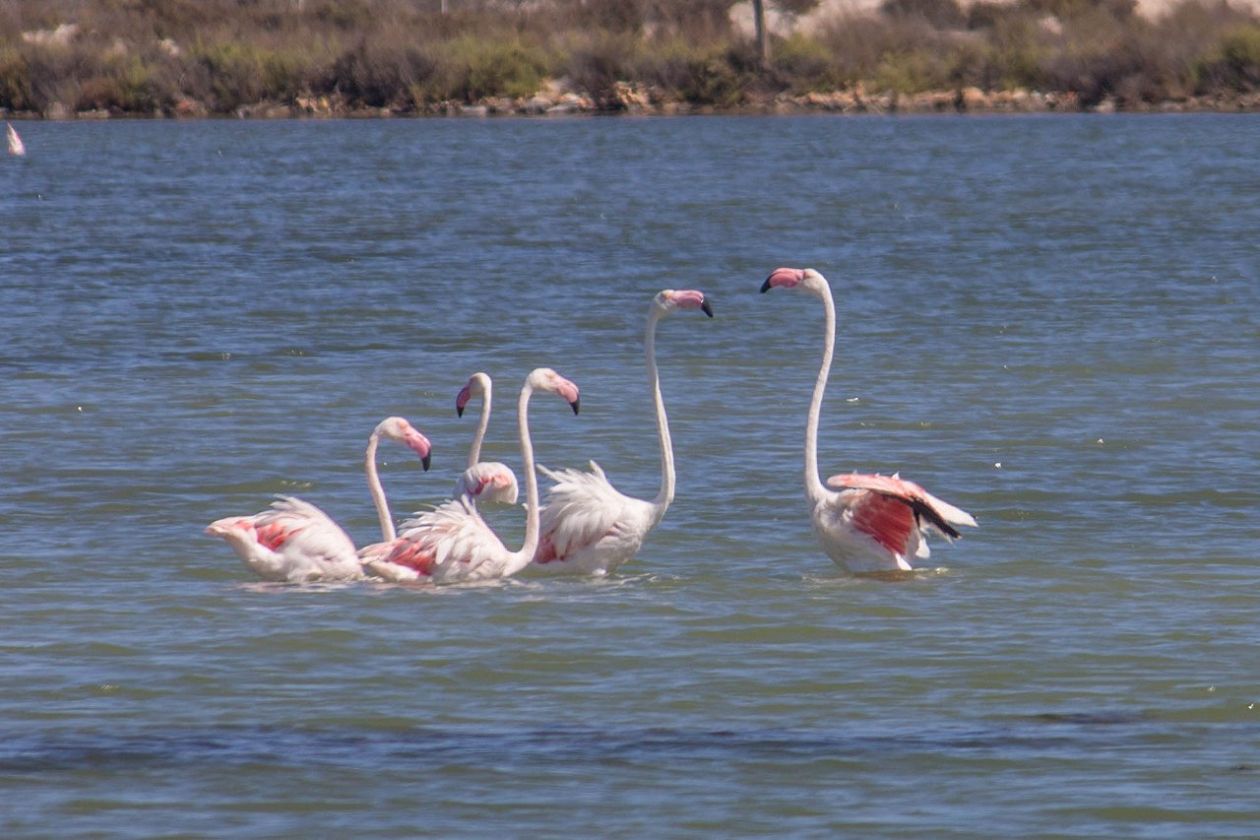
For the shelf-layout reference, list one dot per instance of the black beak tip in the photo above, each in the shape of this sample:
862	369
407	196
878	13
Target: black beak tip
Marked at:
459	411
424	462
765	287
575	405
707	308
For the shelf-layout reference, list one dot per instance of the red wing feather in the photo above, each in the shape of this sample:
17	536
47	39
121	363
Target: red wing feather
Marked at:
918	500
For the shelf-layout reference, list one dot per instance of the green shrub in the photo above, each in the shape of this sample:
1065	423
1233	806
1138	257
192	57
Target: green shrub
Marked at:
377	75
696	73
1233	63
468	68
804	63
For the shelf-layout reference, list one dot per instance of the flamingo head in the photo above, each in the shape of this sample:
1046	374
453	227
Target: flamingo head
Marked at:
399	430
478	386
806	279
668	300
546	379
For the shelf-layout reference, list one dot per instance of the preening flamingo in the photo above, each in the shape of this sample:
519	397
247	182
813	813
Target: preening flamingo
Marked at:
453	543
588	526
489	481
866	523
295	541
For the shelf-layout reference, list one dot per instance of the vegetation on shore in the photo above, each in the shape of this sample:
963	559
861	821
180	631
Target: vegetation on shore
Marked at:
60	58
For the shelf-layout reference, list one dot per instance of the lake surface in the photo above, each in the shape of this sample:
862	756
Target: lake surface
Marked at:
1051	322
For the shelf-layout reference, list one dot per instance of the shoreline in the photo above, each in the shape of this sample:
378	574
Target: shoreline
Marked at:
629	101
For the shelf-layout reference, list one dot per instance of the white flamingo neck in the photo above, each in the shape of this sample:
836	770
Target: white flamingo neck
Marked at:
518	560
814	489
378	492
483	423
666	495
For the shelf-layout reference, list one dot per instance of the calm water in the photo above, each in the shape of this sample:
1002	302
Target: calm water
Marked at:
1050	322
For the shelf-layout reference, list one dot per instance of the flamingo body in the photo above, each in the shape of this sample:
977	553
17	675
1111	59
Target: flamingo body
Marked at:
293	542
865	523
448	544
588	526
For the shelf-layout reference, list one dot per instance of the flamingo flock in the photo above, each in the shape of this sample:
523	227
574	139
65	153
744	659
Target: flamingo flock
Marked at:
866	523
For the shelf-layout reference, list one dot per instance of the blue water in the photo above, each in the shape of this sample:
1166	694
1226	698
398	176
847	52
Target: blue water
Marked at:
1051	322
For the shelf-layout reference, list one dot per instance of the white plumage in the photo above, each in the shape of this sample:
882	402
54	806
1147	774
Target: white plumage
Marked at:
293	541
588	526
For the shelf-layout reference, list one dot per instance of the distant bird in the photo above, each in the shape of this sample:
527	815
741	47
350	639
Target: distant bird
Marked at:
866	523
16	146
489	481
296	542
452	543
588	526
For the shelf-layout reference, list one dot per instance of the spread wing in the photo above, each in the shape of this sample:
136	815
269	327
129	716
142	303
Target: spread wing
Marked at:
928	509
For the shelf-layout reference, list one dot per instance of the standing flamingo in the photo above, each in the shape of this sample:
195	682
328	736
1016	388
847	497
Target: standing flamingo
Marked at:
866	523
588	526
453	543
489	481
295	541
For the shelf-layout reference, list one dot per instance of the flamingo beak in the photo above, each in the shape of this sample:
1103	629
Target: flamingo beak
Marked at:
459	410
706	308
461	400
575	403
424	462
765	287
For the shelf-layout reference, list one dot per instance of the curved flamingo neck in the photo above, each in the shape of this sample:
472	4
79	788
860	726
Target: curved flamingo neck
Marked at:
483	423
666	495
378	492
518	560
814	489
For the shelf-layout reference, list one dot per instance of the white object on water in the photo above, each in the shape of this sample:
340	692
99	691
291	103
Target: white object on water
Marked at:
16	146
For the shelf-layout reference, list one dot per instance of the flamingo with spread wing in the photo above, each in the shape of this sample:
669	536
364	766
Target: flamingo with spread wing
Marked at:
866	523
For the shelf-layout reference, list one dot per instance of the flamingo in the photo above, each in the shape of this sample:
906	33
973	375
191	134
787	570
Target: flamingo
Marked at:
490	481
452	542
16	147
295	541
588	526
866	523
